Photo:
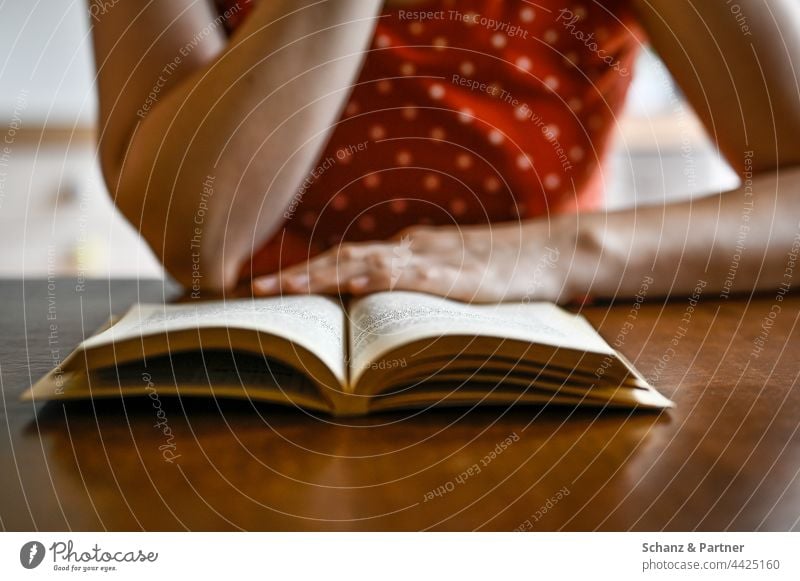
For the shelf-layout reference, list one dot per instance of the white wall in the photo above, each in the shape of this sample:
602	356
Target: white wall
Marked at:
46	51
55	214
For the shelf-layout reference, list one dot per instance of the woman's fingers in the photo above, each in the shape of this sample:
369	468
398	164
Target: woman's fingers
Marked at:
275	284
265	286
412	276
337	270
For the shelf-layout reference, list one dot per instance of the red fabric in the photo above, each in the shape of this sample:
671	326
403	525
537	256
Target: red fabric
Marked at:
434	151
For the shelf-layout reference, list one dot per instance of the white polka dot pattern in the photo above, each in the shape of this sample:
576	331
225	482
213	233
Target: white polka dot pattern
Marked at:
453	121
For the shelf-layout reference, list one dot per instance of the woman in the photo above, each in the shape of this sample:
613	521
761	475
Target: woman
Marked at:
454	148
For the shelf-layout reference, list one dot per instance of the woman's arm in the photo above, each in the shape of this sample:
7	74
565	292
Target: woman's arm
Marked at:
742	76
203	141
737	241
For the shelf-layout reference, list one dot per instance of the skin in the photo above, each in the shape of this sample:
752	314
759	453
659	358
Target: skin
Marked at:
743	87
251	113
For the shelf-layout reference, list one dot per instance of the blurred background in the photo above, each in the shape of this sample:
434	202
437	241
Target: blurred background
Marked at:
56	217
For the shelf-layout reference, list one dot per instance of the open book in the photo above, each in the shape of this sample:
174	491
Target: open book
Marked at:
385	351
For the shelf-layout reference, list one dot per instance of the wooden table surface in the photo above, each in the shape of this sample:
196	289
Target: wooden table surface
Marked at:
727	458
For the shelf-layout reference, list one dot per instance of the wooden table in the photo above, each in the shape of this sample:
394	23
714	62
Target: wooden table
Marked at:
726	459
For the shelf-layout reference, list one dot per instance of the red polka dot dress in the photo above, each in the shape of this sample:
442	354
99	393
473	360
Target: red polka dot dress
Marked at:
493	111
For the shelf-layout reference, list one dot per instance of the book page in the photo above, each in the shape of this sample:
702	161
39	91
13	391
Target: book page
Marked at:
384	321
313	322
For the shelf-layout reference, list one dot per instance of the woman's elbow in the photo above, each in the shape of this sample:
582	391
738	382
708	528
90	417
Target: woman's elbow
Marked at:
190	249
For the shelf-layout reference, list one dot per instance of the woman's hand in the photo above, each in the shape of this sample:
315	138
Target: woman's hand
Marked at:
474	264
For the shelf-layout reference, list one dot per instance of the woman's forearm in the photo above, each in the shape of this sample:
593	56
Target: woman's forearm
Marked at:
737	241
210	170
